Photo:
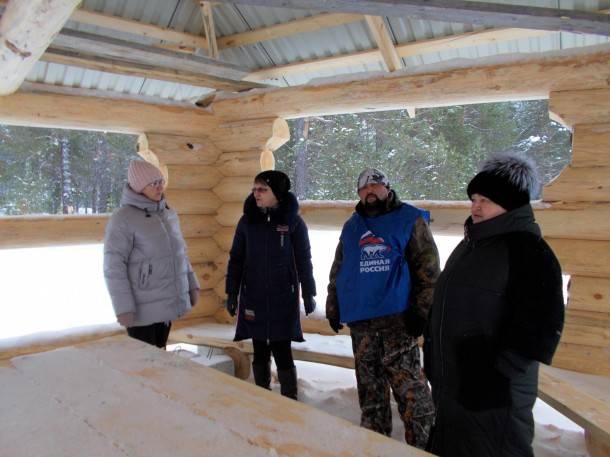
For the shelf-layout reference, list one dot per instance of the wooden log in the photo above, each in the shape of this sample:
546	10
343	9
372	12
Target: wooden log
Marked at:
582	184
220	291
586	328
383	38
202	250
229	213
197	177
197	226
210	273
208	304
519	79
591	145
191	201
180	150
234	188
263	133
589	294
246	163
224	238
115	55
28	231
267	160
582	257
586	221
26	30
573	107
581	358
558	221
92	113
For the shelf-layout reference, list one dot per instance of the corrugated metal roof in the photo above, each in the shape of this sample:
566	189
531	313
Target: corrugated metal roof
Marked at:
184	15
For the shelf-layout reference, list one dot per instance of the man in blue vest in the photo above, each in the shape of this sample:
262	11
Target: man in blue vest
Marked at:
381	284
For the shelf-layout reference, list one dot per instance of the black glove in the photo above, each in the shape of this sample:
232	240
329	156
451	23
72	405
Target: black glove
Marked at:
414	323
310	304
335	325
231	304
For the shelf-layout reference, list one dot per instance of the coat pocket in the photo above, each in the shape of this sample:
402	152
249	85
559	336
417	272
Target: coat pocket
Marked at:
146	271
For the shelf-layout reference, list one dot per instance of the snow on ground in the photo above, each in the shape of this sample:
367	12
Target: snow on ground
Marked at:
48	291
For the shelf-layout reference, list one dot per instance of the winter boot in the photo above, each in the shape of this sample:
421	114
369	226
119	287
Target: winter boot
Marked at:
288	382
262	375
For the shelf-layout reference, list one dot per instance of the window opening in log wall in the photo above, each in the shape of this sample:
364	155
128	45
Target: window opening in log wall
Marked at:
56	171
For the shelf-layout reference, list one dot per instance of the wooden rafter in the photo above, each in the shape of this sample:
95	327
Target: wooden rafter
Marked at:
208	26
189	42
117	56
385	44
307	24
404	50
26	29
138	28
482	13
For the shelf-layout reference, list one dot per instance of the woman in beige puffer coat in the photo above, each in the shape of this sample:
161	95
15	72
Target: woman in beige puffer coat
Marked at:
148	274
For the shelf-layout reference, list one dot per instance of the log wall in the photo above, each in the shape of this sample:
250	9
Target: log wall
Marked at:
582	242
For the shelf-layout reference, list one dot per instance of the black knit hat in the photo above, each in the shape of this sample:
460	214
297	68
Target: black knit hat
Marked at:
278	182
507	180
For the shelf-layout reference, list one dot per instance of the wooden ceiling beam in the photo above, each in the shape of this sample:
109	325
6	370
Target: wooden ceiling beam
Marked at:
385	44
478	38
190	42
517	78
116	56
138	28
26	29
106	114
307	24
468	12
207	17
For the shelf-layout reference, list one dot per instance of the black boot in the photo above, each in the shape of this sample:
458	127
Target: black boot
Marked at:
262	375
288	382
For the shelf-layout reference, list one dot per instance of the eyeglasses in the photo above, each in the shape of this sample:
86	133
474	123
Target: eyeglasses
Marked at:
157	183
260	190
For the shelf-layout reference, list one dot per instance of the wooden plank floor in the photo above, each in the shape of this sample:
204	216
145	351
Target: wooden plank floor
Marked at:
120	397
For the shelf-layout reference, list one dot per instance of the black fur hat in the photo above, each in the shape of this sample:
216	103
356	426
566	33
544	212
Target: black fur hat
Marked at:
278	182
506	179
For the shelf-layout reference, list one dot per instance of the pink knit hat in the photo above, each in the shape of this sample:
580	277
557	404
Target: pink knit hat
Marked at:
141	174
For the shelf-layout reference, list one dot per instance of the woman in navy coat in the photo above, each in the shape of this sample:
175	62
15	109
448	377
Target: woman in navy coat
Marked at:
270	261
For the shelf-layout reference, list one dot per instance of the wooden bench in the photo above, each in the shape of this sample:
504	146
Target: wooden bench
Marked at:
330	350
583	398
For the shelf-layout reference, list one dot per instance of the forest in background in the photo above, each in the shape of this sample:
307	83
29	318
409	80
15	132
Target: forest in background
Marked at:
430	157
56	171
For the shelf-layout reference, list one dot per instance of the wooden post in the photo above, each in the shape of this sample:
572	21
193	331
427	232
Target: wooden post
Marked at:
26	30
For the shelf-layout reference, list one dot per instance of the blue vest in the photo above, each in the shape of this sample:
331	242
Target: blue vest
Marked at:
374	278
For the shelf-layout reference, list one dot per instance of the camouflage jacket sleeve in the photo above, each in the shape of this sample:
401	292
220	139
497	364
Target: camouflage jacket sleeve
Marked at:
423	261
332	304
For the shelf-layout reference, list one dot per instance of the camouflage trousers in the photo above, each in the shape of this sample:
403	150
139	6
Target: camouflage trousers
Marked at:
389	359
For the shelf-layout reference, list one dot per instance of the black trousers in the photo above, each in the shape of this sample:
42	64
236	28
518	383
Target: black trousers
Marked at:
282	353
155	334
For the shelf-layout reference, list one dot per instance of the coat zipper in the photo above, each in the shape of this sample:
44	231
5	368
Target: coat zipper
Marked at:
267	276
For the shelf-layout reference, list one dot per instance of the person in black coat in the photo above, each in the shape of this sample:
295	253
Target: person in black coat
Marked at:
497	312
270	260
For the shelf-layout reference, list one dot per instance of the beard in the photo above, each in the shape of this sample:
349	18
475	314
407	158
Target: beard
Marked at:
374	206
